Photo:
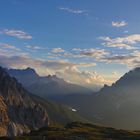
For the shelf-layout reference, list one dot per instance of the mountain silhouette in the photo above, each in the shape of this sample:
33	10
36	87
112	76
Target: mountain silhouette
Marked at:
47	86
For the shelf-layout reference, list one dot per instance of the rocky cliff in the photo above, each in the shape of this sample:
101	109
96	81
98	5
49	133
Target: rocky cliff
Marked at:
19	113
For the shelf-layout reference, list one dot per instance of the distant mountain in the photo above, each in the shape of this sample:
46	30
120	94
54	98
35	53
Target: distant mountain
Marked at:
24	76
21	112
48	86
122	99
116	106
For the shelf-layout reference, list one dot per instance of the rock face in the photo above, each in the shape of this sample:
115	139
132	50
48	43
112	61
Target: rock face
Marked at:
19	113
4	119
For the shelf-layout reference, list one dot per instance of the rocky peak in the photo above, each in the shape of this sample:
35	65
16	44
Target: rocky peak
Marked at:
130	78
27	71
19	112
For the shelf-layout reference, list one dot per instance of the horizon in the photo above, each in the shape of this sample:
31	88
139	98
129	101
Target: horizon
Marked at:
95	89
92	43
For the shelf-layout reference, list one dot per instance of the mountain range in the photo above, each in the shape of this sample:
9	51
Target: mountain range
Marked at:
21	111
116	106
46	86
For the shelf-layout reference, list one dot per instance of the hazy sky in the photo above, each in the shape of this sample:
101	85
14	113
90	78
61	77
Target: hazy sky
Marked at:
90	42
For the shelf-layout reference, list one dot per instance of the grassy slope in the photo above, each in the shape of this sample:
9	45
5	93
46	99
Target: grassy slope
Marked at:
80	131
58	113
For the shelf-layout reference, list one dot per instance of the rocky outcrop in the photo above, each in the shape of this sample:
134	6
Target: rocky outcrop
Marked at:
19	112
4	119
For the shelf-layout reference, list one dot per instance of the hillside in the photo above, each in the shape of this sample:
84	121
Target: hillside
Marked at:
19	112
22	112
80	131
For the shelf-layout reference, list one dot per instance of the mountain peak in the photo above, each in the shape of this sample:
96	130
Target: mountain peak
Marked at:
129	79
25	110
27	71
137	69
5	79
30	69
53	77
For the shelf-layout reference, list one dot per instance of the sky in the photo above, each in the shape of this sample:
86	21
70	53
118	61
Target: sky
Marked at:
87	42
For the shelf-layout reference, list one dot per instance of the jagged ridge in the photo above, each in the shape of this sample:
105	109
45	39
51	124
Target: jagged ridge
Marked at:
20	112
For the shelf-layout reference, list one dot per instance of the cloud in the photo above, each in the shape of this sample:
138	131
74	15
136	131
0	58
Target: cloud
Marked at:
131	60
85	53
119	23
33	47
17	33
44	67
122	59
57	50
85	78
86	64
9	50
136	61
115	73
74	11
126	31
126	42
95	53
25	61
8	46
76	49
